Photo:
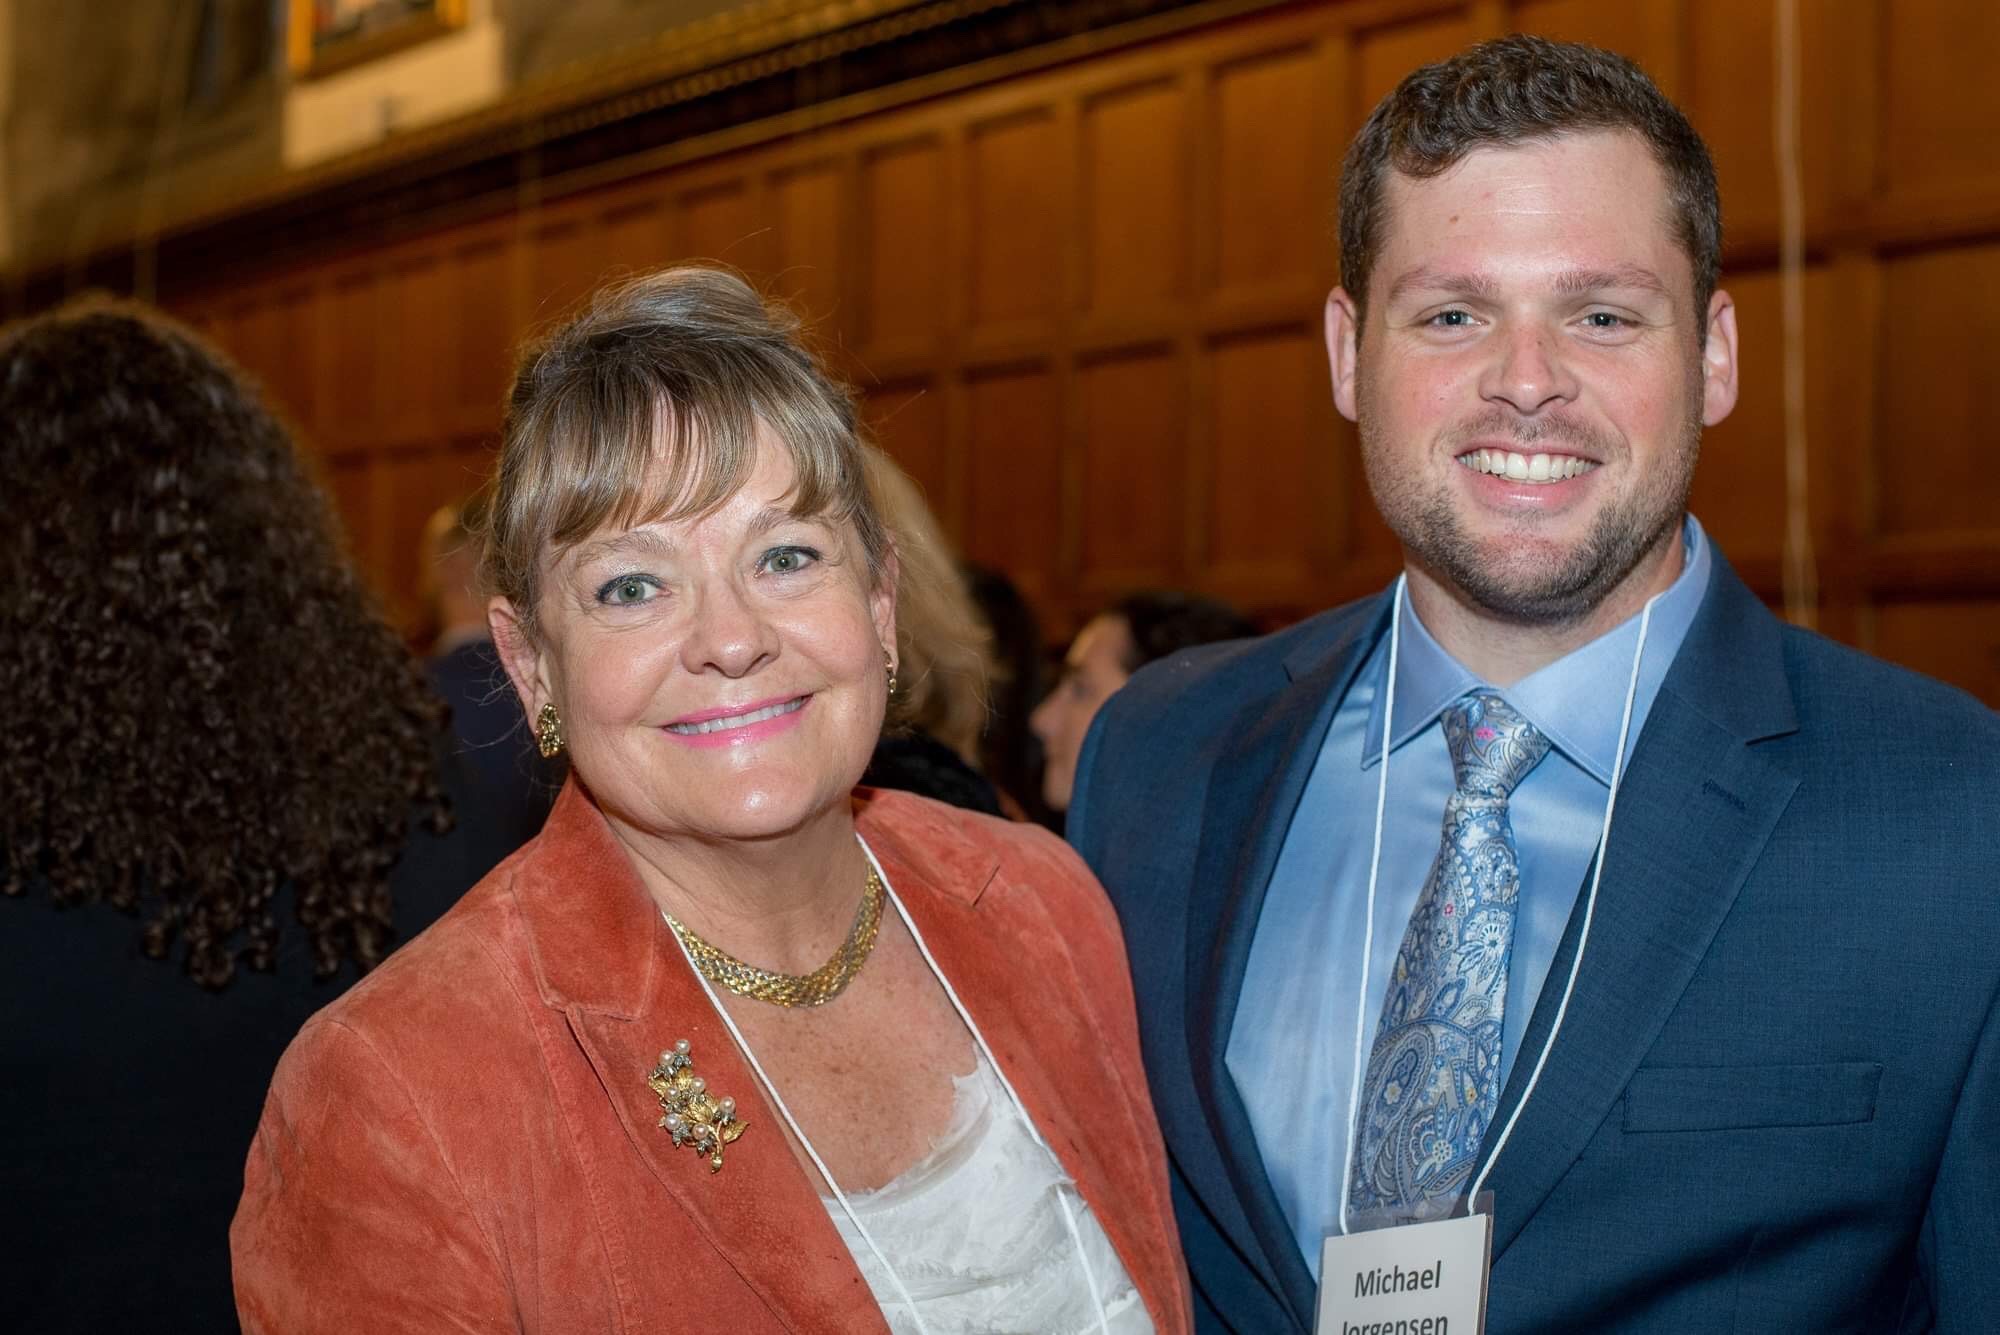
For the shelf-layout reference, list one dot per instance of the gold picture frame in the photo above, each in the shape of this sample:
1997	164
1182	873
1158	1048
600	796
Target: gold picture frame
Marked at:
325	36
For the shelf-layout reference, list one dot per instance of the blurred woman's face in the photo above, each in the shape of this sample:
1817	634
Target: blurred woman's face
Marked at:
1092	671
720	677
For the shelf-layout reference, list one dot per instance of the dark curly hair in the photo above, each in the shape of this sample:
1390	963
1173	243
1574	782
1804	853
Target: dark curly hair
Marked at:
203	702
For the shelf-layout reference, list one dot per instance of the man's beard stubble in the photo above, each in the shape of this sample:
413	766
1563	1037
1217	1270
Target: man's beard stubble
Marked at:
1573	586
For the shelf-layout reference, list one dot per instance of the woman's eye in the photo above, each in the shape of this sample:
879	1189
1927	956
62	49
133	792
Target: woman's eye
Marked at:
626	589
788	560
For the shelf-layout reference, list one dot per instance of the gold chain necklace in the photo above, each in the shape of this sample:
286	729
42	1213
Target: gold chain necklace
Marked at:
817	988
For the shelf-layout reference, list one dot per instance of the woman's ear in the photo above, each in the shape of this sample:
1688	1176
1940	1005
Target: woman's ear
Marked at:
521	654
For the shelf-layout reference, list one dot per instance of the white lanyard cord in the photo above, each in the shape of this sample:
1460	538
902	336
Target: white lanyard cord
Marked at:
1374	869
1361	1043
770	1089
1020	1108
1589	909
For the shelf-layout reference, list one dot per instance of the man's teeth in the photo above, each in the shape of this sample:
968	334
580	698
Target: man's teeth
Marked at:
736	720
1526	467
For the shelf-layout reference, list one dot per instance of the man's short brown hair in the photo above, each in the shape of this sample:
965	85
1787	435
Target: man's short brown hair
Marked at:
1518	90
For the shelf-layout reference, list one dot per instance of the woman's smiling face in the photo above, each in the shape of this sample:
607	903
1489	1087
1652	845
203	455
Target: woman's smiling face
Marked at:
717	677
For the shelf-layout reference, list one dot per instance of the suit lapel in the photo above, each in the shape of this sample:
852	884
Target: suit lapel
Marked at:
1694	812
609	963
1253	791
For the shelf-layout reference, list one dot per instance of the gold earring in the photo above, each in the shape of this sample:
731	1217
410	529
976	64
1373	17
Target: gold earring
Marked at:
548	732
889	665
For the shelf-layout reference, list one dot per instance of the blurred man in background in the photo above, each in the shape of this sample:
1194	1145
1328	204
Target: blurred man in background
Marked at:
488	727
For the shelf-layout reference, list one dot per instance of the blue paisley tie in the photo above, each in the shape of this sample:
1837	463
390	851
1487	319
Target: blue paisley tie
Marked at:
1433	1078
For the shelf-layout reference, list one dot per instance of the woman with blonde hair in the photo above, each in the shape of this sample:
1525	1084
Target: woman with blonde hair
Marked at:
938	712
730	1042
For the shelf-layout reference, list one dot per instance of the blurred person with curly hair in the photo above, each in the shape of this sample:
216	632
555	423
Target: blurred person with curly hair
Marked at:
218	774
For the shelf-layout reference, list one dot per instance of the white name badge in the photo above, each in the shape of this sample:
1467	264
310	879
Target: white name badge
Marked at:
1416	1279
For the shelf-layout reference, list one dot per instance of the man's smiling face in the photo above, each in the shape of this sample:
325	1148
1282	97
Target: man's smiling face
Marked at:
1530	377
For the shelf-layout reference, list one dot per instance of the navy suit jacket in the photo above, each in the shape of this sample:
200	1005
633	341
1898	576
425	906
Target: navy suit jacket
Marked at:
1775	1101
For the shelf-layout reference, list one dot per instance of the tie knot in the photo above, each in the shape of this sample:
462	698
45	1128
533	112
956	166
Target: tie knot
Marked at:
1492	747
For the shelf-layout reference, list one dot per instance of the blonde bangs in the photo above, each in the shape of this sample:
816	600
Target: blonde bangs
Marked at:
645	409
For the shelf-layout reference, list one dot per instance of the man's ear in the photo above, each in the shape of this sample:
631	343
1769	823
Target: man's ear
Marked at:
1343	334
882	603
520	653
1718	360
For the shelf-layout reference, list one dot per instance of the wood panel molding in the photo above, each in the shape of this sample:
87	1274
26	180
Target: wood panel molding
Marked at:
1080	295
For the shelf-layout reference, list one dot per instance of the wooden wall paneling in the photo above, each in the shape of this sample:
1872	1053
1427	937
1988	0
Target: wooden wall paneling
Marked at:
1131	446
1844	490
1937	127
1032	279
1272	534
811	220
272	337
1383	55
357	399
952	353
566	262
406	487
416	344
1730	94
1957	641
716	220
1136	201
903	292
1739	486
1264	172
1204	241
1646	31
481	288
908	420
633	235
349	480
1018	181
1014	452
1940	322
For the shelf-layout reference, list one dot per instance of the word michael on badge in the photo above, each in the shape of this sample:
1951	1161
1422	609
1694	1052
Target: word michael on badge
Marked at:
1412	1279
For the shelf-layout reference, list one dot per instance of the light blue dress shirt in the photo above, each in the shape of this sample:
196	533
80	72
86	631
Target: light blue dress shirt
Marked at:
1291	1047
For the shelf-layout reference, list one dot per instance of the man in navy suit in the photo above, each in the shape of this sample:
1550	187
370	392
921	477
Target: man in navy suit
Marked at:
1724	1051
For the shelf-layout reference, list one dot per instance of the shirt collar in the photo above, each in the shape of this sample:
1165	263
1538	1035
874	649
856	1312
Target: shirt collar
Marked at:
1578	701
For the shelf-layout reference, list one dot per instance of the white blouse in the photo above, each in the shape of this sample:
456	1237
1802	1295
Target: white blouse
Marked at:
975	1232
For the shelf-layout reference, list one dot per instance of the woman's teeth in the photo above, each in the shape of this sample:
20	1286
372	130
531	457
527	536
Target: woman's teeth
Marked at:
1526	467
736	720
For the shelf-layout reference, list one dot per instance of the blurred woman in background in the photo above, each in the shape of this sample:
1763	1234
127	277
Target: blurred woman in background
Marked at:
945	656
219	804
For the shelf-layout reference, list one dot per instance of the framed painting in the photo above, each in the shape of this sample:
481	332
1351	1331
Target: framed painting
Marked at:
328	35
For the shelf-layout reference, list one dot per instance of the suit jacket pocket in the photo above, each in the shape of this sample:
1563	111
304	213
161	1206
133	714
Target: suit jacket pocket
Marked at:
1736	1098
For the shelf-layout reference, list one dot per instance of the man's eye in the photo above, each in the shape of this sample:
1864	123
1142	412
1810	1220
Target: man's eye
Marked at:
788	560
1604	320
627	589
1452	319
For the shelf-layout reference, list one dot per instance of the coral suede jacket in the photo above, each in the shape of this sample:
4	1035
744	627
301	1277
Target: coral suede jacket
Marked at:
466	1142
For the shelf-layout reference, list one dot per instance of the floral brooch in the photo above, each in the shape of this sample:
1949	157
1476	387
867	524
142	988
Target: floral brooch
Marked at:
687	1112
